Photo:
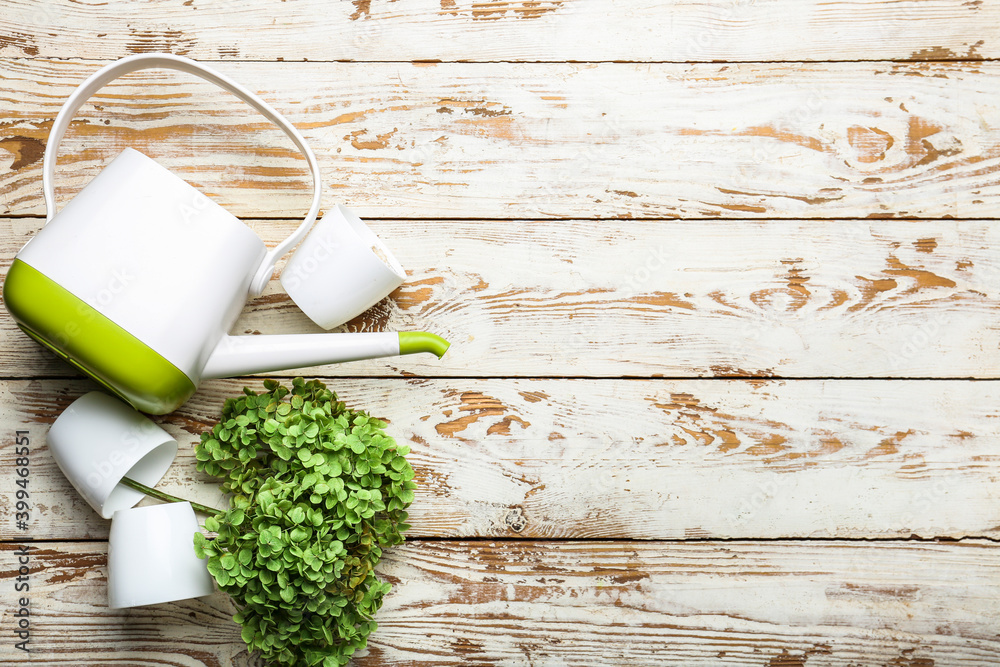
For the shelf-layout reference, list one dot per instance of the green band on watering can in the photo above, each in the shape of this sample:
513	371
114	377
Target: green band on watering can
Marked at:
92	343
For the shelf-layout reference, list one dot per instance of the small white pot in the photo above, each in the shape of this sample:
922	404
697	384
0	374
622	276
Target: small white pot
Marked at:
98	440
151	556
341	270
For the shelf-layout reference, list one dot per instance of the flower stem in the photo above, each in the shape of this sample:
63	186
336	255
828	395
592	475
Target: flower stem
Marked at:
160	495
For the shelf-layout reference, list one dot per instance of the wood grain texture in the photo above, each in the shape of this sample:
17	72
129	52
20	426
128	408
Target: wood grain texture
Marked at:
503	140
794	604
577	459
843	298
708	188
485	30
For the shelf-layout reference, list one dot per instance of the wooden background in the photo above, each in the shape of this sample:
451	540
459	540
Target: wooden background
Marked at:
722	282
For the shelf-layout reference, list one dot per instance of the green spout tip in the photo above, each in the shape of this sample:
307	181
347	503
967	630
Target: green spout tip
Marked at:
412	342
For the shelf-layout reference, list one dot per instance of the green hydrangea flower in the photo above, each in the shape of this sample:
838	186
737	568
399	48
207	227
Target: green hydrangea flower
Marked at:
316	492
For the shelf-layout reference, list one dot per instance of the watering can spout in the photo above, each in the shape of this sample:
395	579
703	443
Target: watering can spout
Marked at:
248	355
412	342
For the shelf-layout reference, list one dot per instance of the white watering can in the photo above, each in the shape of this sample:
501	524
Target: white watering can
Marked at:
138	280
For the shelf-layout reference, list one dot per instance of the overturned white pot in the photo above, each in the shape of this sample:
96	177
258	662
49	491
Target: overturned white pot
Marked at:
341	270
151	556
99	440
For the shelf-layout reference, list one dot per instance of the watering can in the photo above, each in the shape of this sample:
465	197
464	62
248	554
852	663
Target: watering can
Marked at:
139	278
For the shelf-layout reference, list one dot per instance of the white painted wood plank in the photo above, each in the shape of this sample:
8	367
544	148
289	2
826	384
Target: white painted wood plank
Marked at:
501	140
483	30
839	298
826	604
551	459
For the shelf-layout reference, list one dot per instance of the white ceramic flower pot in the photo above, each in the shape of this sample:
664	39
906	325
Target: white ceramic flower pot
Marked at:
98	440
341	270
151	556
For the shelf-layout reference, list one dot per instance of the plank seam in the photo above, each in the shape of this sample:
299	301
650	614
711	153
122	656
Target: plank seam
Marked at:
913	539
600	378
713	219
944	61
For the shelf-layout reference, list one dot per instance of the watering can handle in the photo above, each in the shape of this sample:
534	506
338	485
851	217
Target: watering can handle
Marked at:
168	61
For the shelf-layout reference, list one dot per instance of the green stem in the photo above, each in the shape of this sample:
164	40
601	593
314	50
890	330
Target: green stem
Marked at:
160	495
